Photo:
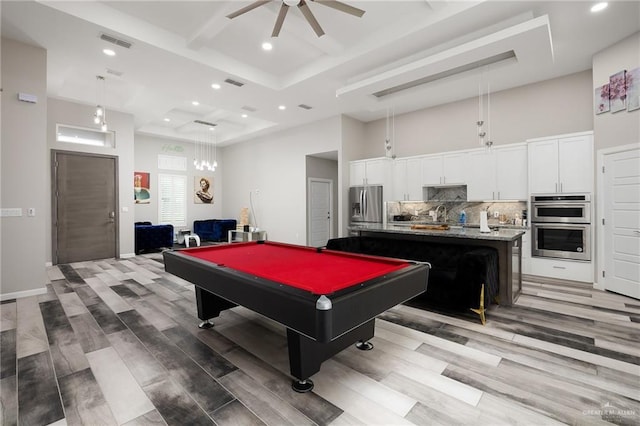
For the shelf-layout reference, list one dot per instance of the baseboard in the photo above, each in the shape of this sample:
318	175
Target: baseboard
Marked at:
21	294
127	255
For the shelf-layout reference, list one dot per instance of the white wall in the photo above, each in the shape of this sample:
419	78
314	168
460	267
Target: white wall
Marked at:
353	138
272	168
552	107
147	149
613	129
70	113
623	127
24	168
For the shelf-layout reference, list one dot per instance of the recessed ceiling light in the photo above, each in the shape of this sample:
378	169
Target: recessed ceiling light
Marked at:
212	128
599	6
167	120
108	52
244	115
195	103
282	107
215	86
267	46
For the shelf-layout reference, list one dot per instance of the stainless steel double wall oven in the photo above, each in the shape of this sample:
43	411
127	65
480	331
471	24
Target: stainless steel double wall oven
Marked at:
561	226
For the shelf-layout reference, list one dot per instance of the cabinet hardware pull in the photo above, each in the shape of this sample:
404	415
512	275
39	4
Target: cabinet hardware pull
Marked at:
559	267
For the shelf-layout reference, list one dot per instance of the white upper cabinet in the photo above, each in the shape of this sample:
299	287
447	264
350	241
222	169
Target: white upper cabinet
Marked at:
445	169
357	173
407	179
498	174
482	176
561	164
376	171
511	172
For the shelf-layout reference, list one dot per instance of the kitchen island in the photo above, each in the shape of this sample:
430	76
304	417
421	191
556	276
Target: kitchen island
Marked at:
507	242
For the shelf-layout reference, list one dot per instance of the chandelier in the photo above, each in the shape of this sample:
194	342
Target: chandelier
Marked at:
206	152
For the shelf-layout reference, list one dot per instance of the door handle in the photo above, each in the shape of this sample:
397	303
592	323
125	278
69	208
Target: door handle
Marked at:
112	217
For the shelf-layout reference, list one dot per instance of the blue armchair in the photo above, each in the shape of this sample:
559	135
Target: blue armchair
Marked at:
148	236
213	229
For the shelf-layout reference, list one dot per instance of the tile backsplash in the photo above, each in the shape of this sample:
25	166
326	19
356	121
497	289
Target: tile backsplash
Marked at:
419	211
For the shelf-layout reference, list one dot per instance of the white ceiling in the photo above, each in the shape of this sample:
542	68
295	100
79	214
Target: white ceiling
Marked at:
179	48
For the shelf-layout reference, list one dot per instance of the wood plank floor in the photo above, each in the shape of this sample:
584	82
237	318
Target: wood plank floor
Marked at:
117	342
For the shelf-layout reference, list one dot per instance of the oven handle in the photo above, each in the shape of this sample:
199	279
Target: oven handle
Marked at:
561	225
563	204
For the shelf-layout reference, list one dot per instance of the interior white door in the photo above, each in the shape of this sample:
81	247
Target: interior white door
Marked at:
319	212
622	222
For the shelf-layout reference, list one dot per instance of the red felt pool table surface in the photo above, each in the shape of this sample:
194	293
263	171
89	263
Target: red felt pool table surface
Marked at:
306	268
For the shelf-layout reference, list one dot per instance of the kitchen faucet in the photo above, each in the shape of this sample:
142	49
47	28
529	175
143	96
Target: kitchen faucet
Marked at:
444	215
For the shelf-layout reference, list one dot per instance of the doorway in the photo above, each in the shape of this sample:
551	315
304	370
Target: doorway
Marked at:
620	189
320	211
84	207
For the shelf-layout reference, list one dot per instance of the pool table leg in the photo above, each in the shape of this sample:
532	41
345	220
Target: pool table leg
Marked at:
209	306
306	355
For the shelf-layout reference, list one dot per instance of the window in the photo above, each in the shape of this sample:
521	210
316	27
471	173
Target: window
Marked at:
172	199
79	135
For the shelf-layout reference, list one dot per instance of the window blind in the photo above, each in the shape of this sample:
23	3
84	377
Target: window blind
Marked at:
172	204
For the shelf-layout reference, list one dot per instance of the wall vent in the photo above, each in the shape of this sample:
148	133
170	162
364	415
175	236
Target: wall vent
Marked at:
116	41
114	72
206	123
249	108
234	82
304	106
448	73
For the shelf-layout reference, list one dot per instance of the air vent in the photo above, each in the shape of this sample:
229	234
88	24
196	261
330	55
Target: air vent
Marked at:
448	73
303	106
234	82
114	72
116	41
206	123
248	108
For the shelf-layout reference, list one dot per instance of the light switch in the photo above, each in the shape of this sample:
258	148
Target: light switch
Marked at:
31	211
125	209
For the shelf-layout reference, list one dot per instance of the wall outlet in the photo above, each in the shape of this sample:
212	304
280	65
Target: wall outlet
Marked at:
31	211
496	214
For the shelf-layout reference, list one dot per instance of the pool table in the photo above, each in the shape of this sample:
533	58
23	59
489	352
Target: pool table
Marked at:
327	300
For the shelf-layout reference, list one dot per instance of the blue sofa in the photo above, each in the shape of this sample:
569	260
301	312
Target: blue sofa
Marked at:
214	229
148	236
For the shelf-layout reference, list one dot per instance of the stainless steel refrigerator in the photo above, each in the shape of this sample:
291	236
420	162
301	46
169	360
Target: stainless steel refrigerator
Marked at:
365	204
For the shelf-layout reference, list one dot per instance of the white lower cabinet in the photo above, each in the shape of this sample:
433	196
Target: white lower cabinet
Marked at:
573	270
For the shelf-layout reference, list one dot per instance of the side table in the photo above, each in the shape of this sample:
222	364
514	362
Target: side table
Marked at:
236	236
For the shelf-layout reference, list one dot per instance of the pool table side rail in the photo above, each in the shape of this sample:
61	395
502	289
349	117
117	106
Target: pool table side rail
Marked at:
295	308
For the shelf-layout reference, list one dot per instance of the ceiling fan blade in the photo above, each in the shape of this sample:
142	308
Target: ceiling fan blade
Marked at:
310	18
342	7
247	8
280	20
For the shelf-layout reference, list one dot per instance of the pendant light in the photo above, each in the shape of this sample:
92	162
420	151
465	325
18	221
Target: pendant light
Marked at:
484	137
100	115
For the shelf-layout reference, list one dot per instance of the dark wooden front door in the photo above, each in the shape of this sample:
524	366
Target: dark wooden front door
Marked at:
84	207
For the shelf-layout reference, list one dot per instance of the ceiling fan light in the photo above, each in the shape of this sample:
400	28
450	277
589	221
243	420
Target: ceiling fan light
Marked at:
291	3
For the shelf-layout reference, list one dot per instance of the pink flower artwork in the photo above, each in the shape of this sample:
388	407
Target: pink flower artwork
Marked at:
602	99
633	89
618	91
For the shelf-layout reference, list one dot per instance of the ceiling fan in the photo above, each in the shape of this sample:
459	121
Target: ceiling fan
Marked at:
304	8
